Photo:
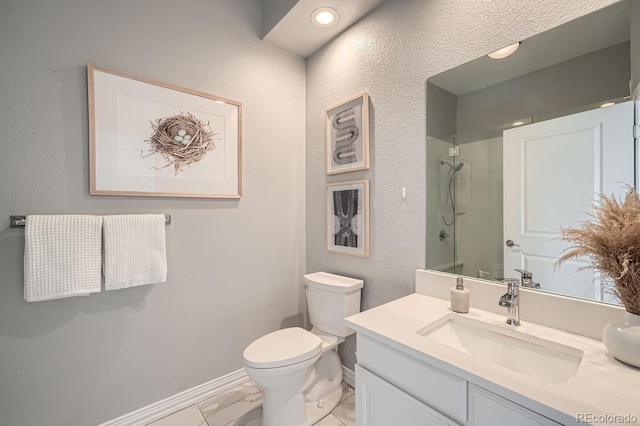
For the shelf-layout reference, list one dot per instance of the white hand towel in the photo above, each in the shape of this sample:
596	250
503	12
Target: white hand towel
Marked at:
134	250
62	256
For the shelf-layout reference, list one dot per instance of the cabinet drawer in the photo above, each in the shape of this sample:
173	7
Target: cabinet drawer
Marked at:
489	409
441	390
379	403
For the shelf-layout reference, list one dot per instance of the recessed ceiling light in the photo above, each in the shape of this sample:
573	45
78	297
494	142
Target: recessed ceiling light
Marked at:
324	17
607	104
504	52
518	123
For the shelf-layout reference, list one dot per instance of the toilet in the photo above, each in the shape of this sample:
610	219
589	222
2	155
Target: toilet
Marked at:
299	371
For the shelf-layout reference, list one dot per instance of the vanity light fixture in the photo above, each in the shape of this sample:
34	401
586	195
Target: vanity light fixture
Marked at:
517	123
504	52
324	17
607	104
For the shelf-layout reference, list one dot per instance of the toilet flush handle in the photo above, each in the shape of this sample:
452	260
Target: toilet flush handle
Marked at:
306	287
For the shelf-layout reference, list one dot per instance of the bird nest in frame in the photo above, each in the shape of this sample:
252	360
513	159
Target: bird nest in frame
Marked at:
181	139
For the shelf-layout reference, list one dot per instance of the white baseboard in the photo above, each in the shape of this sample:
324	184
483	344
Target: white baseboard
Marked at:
349	377
160	409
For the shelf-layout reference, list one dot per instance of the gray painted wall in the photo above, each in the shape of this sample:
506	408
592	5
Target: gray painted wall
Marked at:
273	11
234	266
441	113
390	53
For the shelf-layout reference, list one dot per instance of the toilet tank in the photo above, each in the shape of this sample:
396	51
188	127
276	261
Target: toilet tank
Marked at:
331	298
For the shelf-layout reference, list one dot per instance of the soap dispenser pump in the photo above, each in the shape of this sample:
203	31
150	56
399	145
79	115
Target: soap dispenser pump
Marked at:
460	297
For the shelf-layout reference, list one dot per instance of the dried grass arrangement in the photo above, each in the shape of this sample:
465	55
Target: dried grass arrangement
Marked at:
611	238
181	139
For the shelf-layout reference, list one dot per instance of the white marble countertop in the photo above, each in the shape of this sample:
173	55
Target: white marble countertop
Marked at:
602	386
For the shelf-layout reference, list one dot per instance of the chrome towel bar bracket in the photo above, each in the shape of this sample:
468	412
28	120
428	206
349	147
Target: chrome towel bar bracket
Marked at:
20	221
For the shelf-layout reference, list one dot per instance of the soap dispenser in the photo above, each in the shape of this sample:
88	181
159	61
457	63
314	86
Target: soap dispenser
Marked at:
459	297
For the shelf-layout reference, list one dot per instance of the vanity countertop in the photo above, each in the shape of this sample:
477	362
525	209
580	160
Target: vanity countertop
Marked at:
602	386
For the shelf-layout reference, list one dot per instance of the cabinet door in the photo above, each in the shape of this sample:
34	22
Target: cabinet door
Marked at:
378	403
441	390
489	409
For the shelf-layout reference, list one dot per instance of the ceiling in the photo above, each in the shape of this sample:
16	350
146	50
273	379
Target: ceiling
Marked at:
287	23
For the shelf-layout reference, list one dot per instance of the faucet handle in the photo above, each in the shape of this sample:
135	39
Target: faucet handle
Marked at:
512	286
525	273
483	274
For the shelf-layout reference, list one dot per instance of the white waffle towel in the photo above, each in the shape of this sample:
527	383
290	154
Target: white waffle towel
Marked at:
62	256
134	250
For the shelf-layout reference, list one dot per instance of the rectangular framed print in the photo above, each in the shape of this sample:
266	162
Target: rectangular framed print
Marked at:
347	135
348	218
154	139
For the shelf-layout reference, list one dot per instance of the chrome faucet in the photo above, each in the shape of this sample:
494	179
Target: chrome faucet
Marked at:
527	278
511	301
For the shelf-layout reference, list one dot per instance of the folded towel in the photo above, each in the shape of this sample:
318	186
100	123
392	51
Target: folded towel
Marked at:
62	256
134	250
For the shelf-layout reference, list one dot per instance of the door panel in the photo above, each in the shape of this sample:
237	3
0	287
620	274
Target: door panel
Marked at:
553	171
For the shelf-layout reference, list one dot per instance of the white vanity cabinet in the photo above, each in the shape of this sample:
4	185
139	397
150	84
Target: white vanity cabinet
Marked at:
379	403
487	408
393	388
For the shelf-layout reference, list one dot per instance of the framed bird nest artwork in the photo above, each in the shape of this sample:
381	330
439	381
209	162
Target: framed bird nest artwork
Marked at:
155	139
348	218
347	135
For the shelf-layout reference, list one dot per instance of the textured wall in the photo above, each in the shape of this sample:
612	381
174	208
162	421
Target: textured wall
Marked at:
390	53
234	266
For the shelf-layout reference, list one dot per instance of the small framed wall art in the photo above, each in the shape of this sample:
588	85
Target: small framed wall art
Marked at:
154	139
347	135
348	218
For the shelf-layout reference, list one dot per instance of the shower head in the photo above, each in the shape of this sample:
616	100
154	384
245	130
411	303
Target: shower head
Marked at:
455	168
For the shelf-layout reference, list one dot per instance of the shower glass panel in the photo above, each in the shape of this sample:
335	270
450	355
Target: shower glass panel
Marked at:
466	210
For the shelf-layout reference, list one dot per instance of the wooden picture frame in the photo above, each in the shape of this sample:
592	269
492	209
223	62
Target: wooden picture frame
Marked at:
149	138
347	135
347	209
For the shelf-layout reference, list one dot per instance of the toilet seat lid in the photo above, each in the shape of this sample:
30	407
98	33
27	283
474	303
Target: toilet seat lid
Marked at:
281	348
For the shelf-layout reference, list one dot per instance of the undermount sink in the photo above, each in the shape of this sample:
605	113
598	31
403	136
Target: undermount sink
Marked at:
534	357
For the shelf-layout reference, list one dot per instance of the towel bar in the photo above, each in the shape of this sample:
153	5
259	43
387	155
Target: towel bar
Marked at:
20	221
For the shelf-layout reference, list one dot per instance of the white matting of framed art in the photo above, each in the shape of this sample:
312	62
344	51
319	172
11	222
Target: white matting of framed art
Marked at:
348	218
347	135
154	139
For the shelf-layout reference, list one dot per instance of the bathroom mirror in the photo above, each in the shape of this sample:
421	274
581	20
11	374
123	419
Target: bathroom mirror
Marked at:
520	146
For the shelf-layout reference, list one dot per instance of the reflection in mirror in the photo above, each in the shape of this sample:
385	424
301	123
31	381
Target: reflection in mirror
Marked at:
520	146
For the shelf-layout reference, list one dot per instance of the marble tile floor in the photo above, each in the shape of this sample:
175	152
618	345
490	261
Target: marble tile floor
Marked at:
242	406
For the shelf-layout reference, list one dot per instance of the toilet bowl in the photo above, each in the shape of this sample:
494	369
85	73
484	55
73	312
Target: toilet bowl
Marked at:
300	371
301	383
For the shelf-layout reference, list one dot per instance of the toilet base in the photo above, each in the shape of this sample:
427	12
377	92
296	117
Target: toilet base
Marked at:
302	396
315	413
326	391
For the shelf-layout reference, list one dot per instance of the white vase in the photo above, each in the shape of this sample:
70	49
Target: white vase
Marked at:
622	339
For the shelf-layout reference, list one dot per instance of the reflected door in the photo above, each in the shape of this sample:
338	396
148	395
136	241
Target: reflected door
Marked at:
553	171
